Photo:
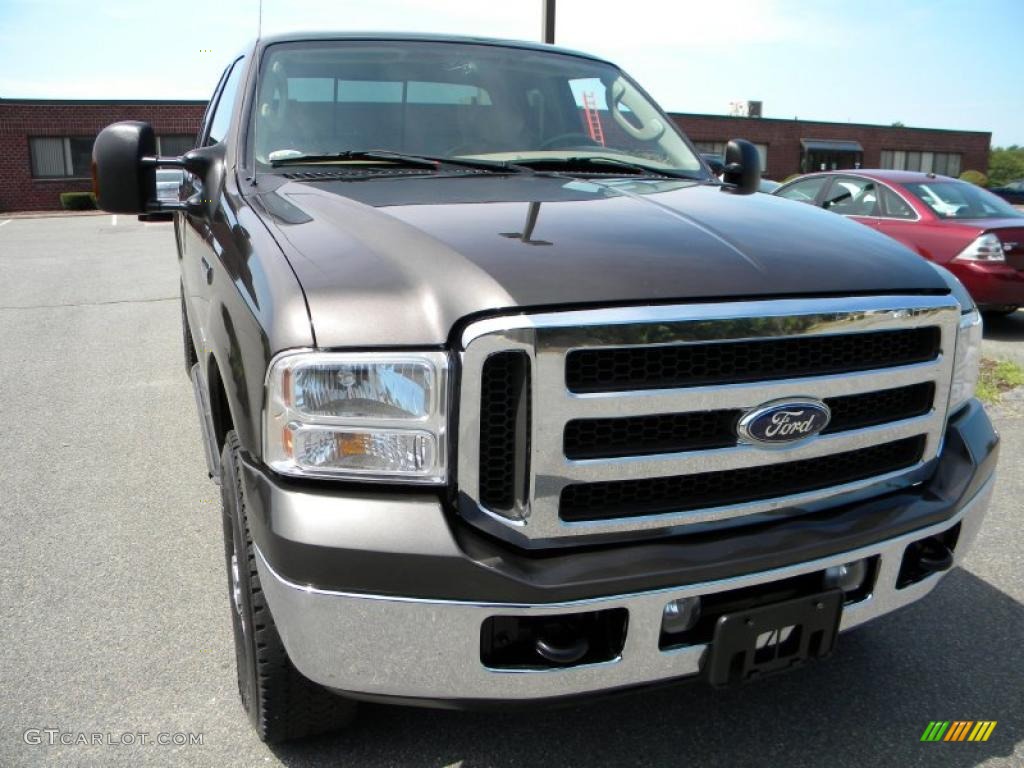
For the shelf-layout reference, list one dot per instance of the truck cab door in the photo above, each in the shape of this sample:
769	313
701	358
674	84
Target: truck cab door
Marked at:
199	248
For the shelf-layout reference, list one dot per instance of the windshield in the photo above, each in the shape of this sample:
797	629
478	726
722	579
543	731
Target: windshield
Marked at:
455	100
960	200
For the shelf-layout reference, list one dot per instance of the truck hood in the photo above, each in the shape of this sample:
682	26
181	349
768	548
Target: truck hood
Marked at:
388	262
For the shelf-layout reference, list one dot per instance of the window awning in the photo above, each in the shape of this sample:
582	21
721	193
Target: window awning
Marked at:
830	145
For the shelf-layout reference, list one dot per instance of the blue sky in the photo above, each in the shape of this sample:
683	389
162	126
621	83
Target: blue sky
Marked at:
932	63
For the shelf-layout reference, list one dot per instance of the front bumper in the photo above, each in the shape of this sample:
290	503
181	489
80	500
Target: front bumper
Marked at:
383	596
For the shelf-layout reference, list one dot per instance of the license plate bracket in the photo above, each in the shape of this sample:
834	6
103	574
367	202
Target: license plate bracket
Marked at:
750	644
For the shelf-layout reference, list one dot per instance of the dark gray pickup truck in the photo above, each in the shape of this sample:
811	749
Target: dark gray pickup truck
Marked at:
511	399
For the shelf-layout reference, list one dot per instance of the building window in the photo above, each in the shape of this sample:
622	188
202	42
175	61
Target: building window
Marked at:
762	150
710	147
943	163
61	157
946	163
174	145
47	157
718	148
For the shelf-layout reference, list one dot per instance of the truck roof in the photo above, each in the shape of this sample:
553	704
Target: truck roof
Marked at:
415	37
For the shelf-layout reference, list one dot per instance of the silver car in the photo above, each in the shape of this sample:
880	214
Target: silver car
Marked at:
168	182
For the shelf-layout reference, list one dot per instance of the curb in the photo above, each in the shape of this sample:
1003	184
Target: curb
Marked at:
49	214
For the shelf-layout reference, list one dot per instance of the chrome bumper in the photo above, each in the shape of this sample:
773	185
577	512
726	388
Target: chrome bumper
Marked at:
430	649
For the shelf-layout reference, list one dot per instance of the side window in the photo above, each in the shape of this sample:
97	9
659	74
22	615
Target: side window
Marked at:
805	191
851	196
367	91
895	206
220	120
418	92
205	123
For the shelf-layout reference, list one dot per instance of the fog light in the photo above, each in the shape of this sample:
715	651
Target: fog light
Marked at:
680	615
848	577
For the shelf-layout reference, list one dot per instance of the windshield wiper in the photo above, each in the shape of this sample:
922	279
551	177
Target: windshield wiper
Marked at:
430	162
327	157
574	161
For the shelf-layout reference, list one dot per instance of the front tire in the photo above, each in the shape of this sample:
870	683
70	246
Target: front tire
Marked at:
281	704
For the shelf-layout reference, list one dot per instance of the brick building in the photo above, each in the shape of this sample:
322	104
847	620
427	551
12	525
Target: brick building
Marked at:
46	144
800	146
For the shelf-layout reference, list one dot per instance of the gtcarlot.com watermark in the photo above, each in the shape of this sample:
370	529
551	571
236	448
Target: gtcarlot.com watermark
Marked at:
57	736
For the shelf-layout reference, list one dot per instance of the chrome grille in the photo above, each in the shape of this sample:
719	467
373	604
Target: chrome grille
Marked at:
885	362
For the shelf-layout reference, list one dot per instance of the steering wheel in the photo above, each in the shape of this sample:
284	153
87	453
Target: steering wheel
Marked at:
565	140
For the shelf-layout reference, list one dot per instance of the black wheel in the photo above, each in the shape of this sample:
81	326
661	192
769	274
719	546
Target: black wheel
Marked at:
280	702
186	339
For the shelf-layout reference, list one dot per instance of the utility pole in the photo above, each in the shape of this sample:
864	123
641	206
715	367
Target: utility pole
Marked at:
549	21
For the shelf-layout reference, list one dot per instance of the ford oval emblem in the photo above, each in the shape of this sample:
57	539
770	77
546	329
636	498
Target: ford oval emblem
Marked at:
783	421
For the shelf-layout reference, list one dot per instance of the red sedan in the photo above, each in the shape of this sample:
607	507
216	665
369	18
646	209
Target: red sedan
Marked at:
973	233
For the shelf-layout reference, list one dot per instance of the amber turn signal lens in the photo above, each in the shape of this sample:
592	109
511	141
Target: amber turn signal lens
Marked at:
286	441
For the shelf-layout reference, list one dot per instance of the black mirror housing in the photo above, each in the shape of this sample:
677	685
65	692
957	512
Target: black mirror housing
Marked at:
122	183
124	163
742	173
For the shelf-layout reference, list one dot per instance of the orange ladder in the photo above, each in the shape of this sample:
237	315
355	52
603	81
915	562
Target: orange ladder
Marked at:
593	118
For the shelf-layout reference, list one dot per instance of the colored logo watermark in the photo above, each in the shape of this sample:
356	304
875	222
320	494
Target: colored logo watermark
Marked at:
959	730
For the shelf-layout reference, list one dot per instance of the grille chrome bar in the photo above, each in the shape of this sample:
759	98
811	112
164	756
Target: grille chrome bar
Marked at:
546	339
727	396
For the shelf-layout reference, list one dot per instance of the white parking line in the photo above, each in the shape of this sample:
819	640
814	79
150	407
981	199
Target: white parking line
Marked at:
5	221
113	220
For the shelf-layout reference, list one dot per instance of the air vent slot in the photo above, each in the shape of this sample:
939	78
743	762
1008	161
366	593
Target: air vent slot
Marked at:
621	369
658	495
504	430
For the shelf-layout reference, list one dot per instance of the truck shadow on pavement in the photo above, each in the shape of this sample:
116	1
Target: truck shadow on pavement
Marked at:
1005	328
957	655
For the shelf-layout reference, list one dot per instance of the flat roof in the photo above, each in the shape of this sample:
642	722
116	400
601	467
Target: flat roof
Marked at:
799	121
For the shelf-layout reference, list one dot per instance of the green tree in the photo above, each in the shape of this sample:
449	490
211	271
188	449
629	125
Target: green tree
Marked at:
974	177
1005	164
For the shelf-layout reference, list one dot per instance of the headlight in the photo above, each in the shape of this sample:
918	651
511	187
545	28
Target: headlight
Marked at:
967	365
358	416
967	361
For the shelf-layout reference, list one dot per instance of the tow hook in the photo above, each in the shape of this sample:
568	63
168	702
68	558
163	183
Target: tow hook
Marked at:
559	647
926	557
933	555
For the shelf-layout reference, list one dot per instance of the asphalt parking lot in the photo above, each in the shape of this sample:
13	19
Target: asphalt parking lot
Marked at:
115	615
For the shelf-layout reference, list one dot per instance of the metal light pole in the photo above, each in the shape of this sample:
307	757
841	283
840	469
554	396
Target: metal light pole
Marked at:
549	21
